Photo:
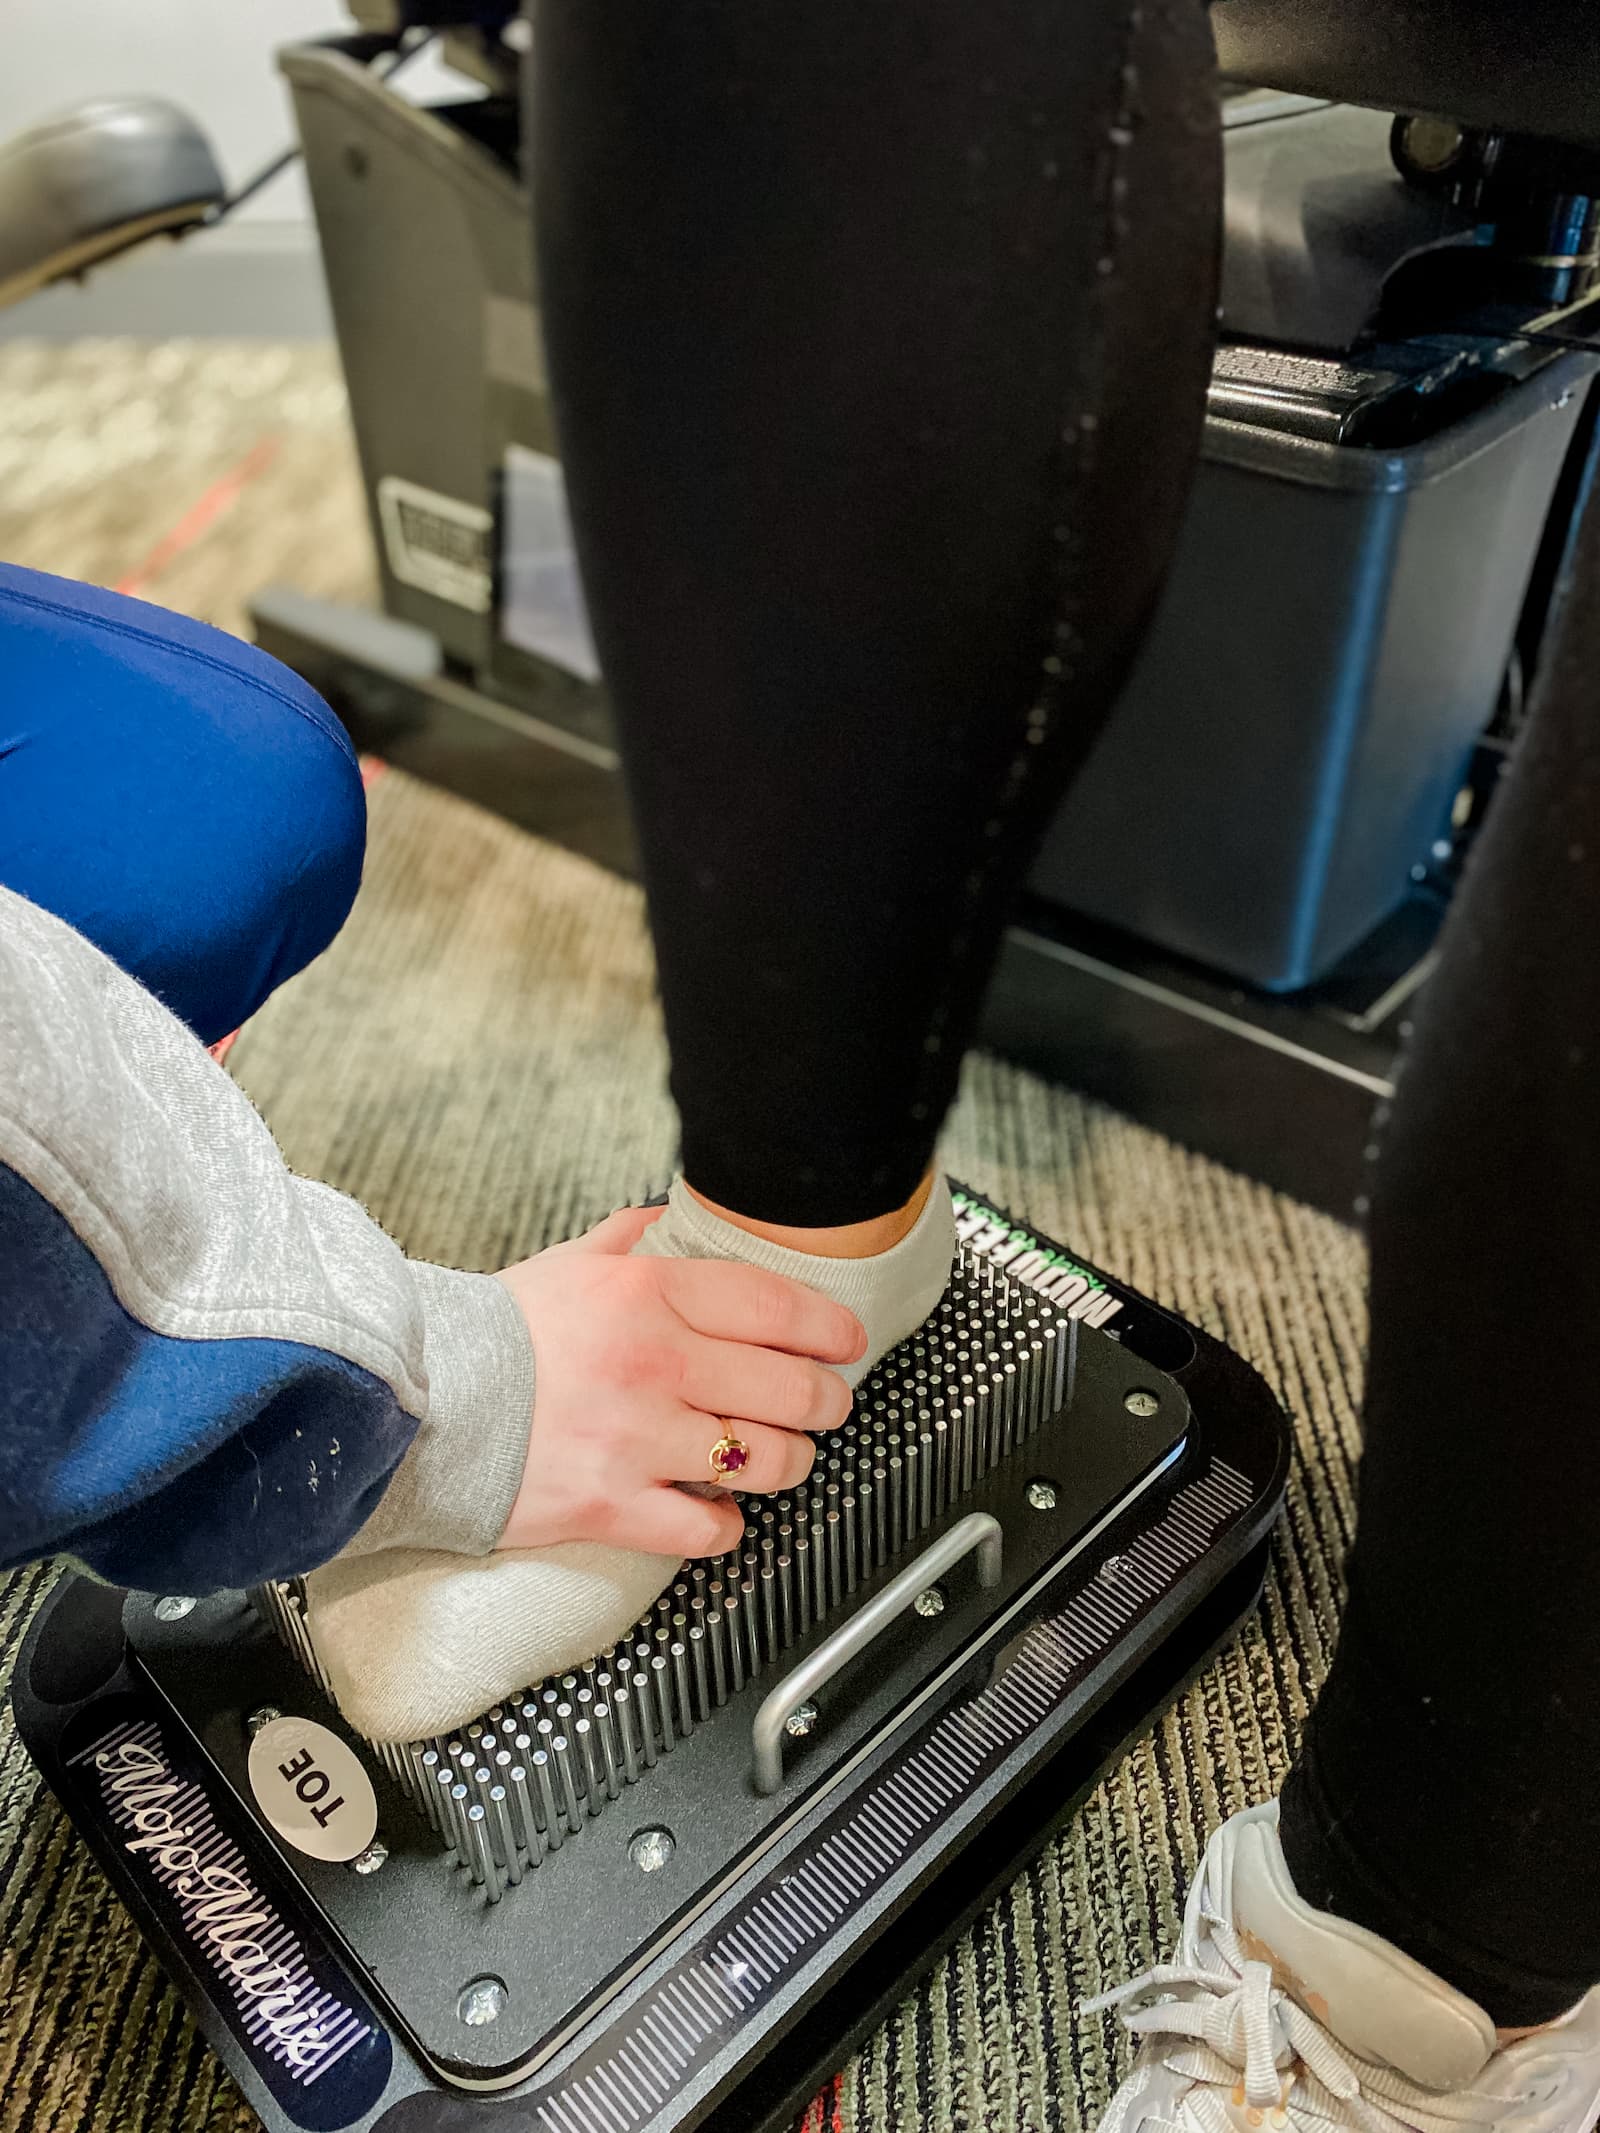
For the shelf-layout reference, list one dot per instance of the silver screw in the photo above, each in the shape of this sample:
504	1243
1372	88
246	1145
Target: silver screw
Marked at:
800	1721
262	1717
481	2001
1041	1495
929	1603
1141	1403
1431	144
651	1849
173	1609
369	1861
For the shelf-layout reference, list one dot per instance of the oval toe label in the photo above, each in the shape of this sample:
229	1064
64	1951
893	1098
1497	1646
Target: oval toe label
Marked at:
312	1789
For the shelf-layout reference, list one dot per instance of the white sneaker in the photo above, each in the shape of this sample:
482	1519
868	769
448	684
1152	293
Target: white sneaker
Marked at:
1277	2016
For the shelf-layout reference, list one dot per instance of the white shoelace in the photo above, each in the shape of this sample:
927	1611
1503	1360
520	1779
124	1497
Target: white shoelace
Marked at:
1236	2019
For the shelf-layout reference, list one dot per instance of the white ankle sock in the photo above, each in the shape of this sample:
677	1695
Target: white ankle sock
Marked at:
891	1292
416	1641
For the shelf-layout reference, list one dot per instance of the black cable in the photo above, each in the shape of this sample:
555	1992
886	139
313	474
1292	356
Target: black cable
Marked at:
251	186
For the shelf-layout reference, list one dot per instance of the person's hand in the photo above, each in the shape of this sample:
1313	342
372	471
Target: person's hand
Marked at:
640	1365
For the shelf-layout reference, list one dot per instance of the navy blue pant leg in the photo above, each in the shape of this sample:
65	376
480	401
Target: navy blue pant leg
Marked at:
186	802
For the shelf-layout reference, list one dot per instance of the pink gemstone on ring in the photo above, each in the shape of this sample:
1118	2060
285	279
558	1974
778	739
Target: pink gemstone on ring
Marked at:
730	1456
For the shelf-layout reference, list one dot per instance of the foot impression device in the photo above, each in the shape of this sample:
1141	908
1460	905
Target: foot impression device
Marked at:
675	1887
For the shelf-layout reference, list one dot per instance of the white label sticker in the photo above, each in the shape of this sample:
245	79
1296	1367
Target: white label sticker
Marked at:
312	1789
437	543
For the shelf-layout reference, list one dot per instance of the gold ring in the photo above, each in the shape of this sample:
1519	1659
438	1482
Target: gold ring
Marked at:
729	1455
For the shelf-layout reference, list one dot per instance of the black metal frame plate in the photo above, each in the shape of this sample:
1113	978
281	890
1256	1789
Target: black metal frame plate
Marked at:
1079	1670
424	1930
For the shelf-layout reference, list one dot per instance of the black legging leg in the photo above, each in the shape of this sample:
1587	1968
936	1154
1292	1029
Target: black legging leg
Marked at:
1446	1794
878	338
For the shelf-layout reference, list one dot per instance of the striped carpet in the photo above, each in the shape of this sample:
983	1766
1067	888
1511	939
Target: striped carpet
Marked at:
478	1058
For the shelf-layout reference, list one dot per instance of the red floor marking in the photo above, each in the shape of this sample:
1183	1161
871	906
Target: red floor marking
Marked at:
200	516
823	2114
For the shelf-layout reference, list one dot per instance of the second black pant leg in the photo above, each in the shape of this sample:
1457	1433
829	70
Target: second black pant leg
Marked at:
1445	1794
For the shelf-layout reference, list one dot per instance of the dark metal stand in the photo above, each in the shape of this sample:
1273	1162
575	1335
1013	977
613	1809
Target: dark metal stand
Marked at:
1280	1087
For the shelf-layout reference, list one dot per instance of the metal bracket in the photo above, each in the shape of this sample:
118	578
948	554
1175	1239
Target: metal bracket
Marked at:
980	1531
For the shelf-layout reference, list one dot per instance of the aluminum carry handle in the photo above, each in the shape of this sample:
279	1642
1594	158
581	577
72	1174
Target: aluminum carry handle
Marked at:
977	1531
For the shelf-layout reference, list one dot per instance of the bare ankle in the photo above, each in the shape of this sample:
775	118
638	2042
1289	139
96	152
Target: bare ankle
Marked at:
1503	2037
851	1240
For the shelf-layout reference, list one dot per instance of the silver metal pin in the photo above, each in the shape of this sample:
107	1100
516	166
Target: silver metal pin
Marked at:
522	1812
627	1726
717	1639
700	1669
643	1711
594	1777
605	1727
544	1778
746	1628
985	1417
678	1657
428	1774
769	1612
730	1615
643	1698
567	1781
500	1817
1036	1392
661	1677
847	1512
449	1827
484	1869
802	1579
458	1814
866	1512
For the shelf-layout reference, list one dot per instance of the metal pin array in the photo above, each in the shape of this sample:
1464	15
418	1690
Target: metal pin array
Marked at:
987	1369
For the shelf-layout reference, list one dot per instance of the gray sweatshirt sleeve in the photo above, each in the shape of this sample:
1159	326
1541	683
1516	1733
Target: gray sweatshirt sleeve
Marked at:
213	1371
